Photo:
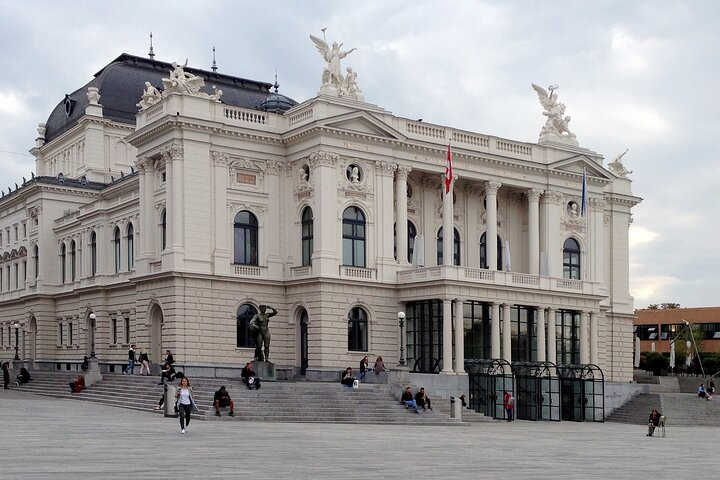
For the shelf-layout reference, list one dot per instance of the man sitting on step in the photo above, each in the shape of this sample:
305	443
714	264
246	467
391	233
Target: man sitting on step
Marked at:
222	399
408	400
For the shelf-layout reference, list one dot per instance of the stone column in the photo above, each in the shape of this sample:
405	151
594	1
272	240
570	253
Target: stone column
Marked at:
325	243
495	331
221	253
448	228
401	213
507	334
552	233
541	355
142	245
533	195
594	337
491	189
150	223
169	199
551	336
174	155
459	337
447	336
584	350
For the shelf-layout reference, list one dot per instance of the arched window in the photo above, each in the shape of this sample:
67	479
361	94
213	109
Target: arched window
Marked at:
245	313
36	254
456	247
571	259
62	262
357	330
411	233
246	238
72	260
483	252
130	247
163	230
93	254
353	237
116	248
307	236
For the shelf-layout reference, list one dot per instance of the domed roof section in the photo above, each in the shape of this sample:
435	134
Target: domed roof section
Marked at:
121	84
276	102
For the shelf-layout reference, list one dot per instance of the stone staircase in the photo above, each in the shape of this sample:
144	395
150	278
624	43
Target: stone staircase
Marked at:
276	401
685	409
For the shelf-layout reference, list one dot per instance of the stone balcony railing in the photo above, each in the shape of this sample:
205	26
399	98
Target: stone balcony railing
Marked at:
500	279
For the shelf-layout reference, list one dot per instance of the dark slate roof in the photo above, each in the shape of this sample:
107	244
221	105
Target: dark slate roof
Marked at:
121	84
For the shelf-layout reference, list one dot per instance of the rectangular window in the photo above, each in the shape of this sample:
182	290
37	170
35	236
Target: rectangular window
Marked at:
567	327
2	336
16	272
476	319
523	323
127	329
24	271
60	333
16	233
24	230
424	321
113	332
70	334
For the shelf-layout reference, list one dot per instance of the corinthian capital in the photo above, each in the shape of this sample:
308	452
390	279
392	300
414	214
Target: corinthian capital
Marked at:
220	158
172	152
323	159
403	172
552	196
533	194
491	188
385	168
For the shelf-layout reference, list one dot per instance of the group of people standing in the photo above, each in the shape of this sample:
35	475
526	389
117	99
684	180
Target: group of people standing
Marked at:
144	361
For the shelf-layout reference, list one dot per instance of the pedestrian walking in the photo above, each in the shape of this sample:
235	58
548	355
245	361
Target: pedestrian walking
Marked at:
509	405
184	403
6	375
144	363
131	361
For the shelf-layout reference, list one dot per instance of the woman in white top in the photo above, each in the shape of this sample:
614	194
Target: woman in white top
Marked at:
185	403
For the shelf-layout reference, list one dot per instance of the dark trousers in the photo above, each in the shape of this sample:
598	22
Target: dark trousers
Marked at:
184	411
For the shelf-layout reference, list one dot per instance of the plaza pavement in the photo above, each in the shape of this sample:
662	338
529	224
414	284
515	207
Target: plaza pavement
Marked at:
46	438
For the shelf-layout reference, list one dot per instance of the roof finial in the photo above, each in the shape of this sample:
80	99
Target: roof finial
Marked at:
214	66
151	54
276	83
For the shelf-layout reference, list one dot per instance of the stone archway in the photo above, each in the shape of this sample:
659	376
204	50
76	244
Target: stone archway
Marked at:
156	318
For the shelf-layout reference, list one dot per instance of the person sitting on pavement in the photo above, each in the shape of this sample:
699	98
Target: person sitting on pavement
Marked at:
222	399
23	377
249	378
408	400
168	372
78	385
653	421
422	400
347	378
702	393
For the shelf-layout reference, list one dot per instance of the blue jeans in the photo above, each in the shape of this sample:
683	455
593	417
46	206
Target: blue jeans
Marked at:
130	367
411	404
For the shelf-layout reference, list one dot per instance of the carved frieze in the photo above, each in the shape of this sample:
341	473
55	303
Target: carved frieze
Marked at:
323	159
172	152
221	159
553	197
385	169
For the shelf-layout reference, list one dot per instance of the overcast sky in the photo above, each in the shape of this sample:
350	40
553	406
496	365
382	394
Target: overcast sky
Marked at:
641	75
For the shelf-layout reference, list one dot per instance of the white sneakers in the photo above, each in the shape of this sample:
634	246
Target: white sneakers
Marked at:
182	431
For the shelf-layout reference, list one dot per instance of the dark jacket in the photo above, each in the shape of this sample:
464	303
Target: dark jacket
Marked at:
131	354
222	396
654	418
247	373
407	396
169	359
144	357
363	366
421	399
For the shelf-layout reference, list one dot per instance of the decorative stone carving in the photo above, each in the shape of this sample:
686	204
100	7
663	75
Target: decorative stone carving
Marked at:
572	210
597	204
215	97
403	171
385	168
617	167
150	96
553	197
93	96
333	80
492	187
172	152
323	159
221	159
533	194
181	81
556	127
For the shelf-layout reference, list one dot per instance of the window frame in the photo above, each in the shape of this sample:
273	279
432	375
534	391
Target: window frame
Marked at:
307	232
245	239
572	262
358	330
354	242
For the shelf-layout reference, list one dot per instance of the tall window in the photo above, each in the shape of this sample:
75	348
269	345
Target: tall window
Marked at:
353	237
116	248
307	236
36	256
70	334
411	233
245	313
130	247
523	329
113	332
424	323
357	330
567	327
62	262
163	230
246	238
60	333
476	319
483	252
24	271
93	254
127	329
571	259
73	256
456	247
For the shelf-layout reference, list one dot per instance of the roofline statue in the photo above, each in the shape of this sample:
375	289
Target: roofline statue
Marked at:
556	128
617	167
333	81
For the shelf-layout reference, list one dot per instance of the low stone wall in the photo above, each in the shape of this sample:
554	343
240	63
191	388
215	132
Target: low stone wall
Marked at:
618	394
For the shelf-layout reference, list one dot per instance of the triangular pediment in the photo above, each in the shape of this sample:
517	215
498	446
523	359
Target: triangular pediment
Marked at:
363	123
579	163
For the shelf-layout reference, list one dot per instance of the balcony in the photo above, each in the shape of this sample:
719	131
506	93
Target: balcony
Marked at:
482	276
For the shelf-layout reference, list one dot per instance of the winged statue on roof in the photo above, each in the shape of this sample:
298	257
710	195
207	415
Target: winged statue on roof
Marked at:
556	126
333	80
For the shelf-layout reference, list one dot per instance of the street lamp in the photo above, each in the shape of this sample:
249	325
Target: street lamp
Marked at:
17	336
92	318
401	322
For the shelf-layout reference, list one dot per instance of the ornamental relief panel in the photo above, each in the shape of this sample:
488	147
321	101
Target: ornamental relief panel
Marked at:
354	176
247	174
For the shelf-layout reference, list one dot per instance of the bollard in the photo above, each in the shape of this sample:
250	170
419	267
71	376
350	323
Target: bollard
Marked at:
169	405
455	409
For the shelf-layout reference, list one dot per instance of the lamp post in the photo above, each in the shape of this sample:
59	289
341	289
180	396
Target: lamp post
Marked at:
17	336
92	318
401	322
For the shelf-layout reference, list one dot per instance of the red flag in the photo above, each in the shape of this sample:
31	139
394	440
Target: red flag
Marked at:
448	172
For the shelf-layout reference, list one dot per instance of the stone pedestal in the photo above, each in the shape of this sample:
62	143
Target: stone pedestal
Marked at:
92	375
265	371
